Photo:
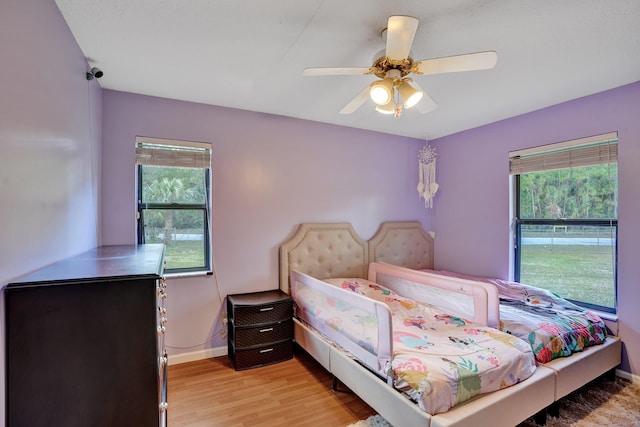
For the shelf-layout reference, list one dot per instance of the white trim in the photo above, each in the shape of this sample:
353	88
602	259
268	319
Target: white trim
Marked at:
187	274
635	379
605	315
174	142
565	144
176	359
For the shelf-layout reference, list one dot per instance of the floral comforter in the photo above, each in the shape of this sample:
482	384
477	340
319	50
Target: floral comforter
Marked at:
439	360
553	326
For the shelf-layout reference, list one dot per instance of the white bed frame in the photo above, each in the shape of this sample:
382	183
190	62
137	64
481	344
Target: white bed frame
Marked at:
395	243
335	250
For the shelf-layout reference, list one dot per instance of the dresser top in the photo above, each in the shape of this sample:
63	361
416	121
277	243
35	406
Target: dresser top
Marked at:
101	262
259	298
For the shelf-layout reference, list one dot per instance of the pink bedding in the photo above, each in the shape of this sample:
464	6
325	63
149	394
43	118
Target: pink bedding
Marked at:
438	359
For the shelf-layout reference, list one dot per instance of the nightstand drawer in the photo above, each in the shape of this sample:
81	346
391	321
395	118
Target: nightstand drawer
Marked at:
275	332
254	357
267	313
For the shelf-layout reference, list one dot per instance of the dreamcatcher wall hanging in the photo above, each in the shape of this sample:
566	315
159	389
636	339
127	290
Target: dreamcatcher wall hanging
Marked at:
427	185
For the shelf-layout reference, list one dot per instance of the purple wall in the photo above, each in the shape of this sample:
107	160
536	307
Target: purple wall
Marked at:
471	216
270	173
50	128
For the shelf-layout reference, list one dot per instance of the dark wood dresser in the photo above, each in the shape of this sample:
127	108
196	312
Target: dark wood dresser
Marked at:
260	328
85	341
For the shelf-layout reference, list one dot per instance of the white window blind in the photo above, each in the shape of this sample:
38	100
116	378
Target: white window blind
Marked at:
599	149
166	152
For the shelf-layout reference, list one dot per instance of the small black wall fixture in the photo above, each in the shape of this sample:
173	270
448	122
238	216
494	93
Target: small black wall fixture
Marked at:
95	72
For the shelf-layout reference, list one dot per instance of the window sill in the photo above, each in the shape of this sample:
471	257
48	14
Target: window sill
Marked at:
610	317
187	274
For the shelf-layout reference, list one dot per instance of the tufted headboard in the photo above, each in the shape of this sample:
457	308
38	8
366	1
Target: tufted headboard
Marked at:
402	243
324	250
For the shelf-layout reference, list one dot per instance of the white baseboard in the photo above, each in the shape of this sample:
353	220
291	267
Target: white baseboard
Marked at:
628	376
175	359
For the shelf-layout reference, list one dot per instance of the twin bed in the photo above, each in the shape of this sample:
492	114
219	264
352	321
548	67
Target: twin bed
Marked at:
473	372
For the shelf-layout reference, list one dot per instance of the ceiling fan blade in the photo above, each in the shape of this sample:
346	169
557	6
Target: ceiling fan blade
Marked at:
452	64
426	104
356	102
327	71
400	33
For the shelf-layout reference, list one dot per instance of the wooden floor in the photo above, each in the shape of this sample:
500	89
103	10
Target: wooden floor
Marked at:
293	393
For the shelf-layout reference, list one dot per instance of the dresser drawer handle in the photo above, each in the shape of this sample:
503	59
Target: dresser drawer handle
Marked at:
266	330
266	309
266	350
163	360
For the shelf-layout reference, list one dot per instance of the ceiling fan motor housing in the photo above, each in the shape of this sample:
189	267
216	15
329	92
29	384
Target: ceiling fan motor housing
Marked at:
384	64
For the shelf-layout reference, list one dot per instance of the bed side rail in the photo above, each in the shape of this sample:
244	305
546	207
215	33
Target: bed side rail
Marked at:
363	307
492	293
462	297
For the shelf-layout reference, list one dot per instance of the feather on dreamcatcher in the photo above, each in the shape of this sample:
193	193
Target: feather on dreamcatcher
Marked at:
427	185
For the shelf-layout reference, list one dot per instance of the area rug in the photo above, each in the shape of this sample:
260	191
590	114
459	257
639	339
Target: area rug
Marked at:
600	403
372	421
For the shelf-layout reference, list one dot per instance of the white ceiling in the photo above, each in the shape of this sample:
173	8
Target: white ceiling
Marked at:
250	54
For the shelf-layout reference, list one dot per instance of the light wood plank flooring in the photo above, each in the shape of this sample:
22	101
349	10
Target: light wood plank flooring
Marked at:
293	393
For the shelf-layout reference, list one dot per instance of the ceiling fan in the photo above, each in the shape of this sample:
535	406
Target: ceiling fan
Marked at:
394	89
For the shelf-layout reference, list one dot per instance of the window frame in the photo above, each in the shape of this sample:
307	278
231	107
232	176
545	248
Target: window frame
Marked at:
519	222
204	207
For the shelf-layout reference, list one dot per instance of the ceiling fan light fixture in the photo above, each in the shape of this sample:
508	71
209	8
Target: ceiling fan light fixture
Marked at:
388	108
381	92
410	95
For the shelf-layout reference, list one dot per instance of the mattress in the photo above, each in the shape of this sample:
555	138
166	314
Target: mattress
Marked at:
438	359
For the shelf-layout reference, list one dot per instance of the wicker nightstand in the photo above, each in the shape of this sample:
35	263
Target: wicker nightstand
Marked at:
260	328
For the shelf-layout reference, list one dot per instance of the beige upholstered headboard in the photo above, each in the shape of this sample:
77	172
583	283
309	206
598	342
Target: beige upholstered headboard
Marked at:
402	243
324	250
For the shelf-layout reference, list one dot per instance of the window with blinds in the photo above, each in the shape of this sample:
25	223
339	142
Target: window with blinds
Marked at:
566	218
595	150
173	189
